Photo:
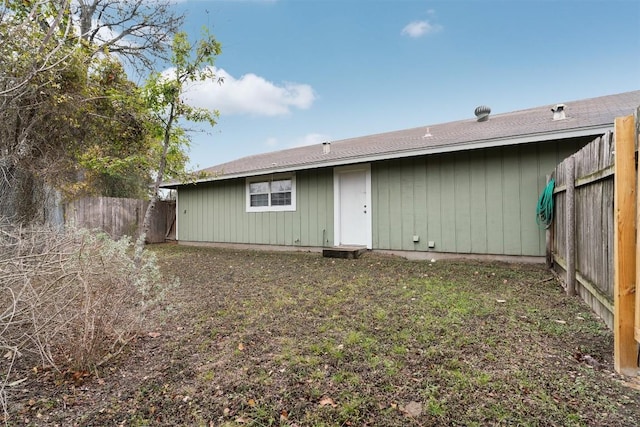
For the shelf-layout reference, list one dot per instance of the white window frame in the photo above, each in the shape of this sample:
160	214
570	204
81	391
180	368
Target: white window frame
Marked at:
269	178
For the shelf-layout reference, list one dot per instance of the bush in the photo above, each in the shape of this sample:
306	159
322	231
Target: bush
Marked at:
74	298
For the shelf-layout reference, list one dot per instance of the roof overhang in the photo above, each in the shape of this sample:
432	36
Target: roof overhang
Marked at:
390	155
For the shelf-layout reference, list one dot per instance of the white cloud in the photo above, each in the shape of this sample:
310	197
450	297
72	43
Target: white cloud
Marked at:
250	94
417	29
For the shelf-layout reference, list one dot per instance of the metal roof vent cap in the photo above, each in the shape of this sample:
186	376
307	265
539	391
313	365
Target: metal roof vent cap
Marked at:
326	147
482	113
558	112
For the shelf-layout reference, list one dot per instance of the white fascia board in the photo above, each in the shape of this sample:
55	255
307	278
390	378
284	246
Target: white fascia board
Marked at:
450	148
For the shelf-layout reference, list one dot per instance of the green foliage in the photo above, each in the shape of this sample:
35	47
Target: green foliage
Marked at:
72	118
119	138
190	63
66	117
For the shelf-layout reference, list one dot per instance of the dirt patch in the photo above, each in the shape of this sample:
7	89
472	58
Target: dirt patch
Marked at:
294	339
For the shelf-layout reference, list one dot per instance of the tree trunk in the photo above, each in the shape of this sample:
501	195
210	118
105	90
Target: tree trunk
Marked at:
148	214
146	224
86	15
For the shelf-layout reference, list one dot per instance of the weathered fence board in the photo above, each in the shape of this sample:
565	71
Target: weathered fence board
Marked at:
605	222
593	224
122	217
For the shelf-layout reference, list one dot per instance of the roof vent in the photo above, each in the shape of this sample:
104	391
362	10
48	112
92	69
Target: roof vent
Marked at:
482	113
326	147
558	112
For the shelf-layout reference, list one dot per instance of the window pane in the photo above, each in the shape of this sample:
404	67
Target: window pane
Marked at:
259	200
259	188
281	186
281	199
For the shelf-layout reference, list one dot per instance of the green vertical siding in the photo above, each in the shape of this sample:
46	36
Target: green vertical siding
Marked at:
216	212
512	201
493	190
396	236
420	190
315	204
529	231
408	212
478	201
462	205
304	209
434	202
447	204
380	196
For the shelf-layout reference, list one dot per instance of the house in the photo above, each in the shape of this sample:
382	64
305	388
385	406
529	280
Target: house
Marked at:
464	187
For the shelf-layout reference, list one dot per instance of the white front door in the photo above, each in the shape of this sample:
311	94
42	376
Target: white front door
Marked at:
352	205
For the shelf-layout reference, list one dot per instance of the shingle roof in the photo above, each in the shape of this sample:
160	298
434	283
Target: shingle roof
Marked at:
583	117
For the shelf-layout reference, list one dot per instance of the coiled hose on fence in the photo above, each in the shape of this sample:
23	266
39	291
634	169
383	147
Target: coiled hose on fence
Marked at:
544	210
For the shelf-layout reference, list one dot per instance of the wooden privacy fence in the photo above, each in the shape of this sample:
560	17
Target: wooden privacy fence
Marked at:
593	237
122	217
582	230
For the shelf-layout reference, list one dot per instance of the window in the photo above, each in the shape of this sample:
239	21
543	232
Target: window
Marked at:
276	193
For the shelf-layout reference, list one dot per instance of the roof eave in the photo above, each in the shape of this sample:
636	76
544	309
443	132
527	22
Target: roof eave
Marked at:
448	148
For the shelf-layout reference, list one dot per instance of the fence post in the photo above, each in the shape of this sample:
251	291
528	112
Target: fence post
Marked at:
624	348
570	218
637	301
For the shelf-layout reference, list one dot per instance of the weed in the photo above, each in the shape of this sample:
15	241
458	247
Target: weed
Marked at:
380	314
435	408
399	350
208	376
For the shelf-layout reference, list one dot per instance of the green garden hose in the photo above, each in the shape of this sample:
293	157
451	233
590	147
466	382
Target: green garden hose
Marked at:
544	211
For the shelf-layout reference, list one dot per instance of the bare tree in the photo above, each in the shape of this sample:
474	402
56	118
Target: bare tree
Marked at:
24	53
138	30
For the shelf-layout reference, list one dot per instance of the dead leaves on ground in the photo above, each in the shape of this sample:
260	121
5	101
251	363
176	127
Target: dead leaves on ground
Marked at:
412	409
327	401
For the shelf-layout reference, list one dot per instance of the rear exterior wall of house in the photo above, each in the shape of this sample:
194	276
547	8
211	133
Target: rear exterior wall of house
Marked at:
477	202
216	212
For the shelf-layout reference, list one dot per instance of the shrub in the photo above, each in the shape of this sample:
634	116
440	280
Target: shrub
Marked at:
73	298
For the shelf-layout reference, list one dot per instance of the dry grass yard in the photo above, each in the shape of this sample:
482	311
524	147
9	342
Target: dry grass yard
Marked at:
293	339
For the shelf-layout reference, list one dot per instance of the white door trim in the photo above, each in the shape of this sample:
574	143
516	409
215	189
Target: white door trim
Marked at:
336	201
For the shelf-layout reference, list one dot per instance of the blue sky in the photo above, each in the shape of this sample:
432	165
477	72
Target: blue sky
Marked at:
305	71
